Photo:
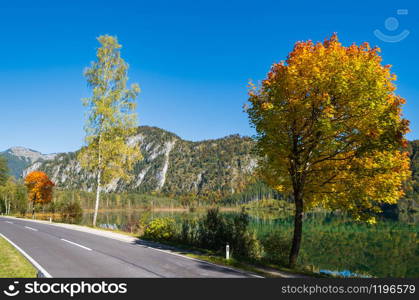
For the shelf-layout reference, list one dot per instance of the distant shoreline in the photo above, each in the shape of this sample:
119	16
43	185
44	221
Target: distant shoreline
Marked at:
159	209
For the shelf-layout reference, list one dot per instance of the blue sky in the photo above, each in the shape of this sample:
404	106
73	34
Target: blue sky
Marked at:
192	59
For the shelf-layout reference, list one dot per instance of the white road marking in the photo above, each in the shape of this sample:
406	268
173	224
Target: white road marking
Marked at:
8	222
31	260
73	243
34	229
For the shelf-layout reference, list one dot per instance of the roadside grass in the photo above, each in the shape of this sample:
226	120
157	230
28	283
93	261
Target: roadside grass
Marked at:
13	264
268	271
262	269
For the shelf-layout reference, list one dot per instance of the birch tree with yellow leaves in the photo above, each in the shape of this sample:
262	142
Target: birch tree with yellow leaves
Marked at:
330	131
111	118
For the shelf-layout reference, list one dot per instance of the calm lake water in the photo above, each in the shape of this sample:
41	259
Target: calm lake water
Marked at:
330	241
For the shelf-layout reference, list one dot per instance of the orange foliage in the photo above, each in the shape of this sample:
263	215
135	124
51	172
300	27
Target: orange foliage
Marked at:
39	187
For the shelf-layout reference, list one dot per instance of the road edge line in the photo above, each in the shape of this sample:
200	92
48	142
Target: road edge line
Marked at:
252	274
28	257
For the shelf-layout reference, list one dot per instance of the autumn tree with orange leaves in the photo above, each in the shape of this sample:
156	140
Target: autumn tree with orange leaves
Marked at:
330	131
40	188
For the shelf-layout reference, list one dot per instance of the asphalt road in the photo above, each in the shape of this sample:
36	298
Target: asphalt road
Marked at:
64	252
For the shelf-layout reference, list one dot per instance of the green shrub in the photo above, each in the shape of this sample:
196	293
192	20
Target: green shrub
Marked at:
160	229
244	241
189	233
214	231
253	247
276	246
71	212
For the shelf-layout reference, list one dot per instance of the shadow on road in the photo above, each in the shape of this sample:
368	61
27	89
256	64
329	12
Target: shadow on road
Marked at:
160	246
226	271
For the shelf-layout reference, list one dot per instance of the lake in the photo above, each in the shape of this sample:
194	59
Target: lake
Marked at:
331	241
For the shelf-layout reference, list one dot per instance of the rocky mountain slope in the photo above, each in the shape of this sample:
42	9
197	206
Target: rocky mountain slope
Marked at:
171	165
19	158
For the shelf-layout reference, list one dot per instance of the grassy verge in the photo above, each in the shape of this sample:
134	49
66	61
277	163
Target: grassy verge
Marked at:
265	270
13	264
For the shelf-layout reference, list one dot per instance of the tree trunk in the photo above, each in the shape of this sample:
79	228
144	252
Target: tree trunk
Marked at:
7	205
97	197
298	229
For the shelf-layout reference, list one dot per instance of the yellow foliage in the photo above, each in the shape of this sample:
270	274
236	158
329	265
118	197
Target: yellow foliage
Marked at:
267	106
40	187
111	117
336	135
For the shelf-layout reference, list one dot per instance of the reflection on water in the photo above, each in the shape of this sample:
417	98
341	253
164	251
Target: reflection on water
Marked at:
330	241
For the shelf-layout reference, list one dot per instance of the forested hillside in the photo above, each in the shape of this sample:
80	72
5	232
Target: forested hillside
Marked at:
171	166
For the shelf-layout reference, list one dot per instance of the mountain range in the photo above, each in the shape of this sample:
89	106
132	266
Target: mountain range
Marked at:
19	158
171	165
